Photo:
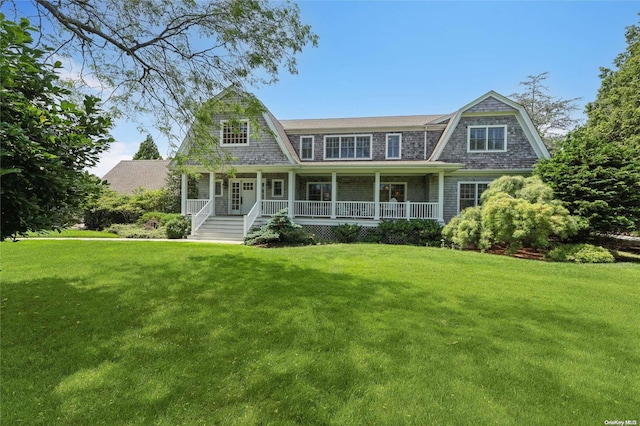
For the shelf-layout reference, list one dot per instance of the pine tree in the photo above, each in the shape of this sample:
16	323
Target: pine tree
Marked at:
148	150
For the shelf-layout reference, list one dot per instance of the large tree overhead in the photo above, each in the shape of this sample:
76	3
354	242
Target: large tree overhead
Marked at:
47	140
170	56
615	114
148	150
551	116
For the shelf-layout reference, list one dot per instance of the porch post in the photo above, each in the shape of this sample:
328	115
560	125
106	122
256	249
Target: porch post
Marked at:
441	197
376	197
334	193
212	192
183	195
259	191
291	189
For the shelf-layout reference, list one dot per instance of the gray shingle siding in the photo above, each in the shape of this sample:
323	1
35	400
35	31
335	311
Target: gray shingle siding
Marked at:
490	104
519	154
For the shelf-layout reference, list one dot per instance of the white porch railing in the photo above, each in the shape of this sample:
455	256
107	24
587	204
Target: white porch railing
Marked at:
202	215
194	206
271	207
408	210
312	208
424	210
359	209
251	217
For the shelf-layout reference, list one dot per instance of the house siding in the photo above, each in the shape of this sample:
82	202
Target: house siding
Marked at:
519	154
491	104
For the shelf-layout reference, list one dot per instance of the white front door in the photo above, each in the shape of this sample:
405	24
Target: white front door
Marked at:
242	195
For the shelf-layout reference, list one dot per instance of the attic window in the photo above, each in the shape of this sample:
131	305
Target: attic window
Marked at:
487	138
234	133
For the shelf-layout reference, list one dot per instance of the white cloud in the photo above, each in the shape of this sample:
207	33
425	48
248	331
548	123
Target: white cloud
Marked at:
119	151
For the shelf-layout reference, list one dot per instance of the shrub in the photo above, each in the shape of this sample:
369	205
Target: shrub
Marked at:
279	230
346	233
420	232
178	227
464	230
129	230
580	253
157	218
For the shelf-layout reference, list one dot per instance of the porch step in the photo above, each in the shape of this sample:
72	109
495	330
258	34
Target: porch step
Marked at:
220	228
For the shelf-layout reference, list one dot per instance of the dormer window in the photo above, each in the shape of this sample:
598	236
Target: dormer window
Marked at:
487	138
234	133
394	146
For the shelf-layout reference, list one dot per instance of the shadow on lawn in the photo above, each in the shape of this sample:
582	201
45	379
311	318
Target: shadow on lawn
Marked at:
234	339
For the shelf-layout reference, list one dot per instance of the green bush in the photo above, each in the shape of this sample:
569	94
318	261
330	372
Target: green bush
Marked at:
157	219
419	232
279	230
580	253
464	230
346	233
178	227
130	230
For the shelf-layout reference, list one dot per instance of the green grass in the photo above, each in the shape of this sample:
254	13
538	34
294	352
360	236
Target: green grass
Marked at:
72	233
124	332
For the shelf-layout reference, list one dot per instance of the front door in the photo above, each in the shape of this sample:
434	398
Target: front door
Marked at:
243	195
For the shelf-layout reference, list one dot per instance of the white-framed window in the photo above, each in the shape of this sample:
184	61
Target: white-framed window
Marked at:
390	191
306	148
469	194
318	191
394	146
347	147
217	188
234	133
277	188
487	138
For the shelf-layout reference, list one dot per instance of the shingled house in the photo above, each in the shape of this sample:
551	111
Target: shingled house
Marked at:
362	170
129	175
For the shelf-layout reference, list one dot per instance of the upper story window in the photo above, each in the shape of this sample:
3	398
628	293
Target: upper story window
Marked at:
306	147
487	138
394	146
234	133
347	147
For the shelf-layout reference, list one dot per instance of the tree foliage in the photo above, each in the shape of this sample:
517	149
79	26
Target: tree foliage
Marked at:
47	140
596	170
516	212
551	116
148	150
170	57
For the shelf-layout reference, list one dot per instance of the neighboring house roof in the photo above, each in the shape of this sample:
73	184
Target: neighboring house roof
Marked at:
362	122
129	175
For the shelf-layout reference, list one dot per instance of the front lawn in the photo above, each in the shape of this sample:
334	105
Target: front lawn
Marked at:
73	233
129	332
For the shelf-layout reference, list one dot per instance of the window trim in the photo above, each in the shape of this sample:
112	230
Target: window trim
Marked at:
486	140
406	190
316	183
386	147
477	198
216	184
355	147
273	188
313	151
222	124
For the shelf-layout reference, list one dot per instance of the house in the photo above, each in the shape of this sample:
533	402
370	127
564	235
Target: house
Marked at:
361	170
130	175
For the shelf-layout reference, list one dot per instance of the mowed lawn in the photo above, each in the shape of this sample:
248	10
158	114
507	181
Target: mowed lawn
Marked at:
128	332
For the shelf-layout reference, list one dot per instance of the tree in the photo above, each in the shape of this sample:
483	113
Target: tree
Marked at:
596	171
169	57
148	150
615	114
47	140
552	117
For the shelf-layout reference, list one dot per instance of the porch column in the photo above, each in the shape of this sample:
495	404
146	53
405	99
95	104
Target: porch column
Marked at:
441	197
376	197
183	195
212	192
259	191
291	188
334	193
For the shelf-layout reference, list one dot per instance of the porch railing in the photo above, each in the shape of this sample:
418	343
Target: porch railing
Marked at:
354	209
202	215
194	206
312	208
250	218
271	207
359	209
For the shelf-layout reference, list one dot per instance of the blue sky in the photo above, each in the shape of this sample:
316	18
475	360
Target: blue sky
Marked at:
403	58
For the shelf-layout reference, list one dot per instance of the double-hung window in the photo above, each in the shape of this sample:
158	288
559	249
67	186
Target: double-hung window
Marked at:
306	148
234	133
277	189
394	146
469	194
390	191
318	191
487	138
347	147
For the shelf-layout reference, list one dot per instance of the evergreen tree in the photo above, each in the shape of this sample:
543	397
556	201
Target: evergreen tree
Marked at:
148	150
